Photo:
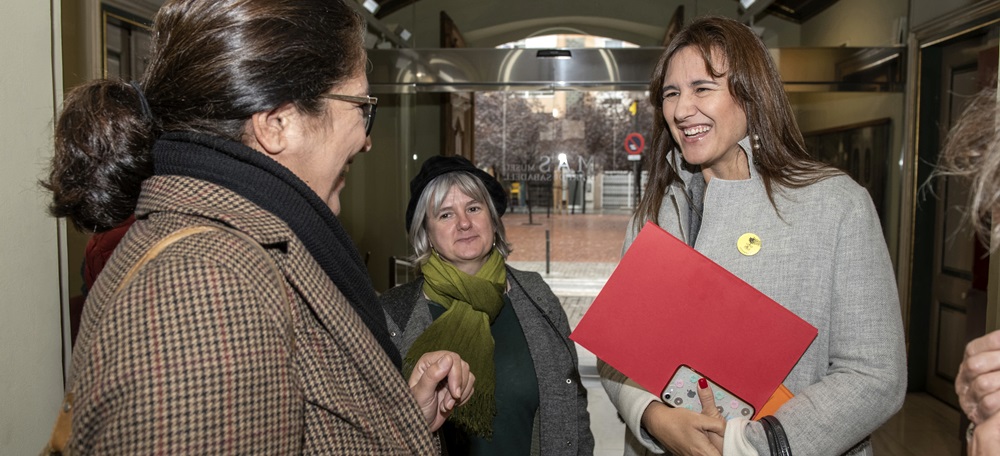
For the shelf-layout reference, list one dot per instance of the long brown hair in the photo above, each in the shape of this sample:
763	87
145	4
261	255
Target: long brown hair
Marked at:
756	86
213	64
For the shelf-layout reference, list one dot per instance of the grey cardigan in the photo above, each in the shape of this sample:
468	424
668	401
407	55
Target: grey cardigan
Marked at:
824	259
563	423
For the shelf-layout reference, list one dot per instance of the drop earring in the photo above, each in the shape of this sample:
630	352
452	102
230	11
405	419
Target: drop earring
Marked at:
756	142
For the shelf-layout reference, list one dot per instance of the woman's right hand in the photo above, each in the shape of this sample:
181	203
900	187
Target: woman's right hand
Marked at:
682	431
978	381
440	381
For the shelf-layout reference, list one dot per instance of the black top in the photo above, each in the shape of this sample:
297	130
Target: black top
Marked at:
516	393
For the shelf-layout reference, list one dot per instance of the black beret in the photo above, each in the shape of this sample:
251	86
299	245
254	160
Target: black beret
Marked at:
438	165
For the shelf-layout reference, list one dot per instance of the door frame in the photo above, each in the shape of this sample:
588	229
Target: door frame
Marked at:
915	260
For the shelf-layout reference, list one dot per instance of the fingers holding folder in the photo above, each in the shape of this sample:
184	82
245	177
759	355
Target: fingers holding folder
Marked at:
684	431
709	409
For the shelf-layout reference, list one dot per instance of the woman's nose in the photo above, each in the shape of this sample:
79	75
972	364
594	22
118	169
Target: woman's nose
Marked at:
464	222
685	107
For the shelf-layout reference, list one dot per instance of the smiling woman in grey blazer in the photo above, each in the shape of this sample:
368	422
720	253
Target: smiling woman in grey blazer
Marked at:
728	163
505	323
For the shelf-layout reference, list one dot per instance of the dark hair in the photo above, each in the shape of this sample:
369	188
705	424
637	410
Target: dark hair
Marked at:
756	86
213	64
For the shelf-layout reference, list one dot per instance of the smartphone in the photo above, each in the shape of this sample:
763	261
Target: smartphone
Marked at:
682	392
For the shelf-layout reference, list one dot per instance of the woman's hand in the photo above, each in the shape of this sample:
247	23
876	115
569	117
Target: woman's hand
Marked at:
978	381
709	409
985	440
440	381
682	431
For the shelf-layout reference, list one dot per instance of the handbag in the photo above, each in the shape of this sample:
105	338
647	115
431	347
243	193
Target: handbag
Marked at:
777	441
58	441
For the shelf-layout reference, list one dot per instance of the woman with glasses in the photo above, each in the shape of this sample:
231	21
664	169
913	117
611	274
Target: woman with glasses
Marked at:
253	328
366	103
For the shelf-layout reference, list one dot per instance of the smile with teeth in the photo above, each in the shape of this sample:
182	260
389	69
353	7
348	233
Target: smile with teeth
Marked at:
696	130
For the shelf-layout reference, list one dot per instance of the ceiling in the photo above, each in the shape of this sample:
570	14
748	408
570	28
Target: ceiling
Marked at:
797	11
491	22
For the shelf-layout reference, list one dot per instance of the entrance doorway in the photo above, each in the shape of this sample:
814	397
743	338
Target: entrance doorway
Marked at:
956	262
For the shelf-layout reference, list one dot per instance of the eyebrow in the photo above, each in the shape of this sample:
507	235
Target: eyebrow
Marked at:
695	83
451	207
444	206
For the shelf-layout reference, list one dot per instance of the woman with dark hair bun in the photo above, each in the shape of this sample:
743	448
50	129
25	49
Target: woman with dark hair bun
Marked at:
731	177
260	332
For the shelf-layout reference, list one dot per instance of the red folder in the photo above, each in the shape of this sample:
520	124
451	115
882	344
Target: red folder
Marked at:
667	304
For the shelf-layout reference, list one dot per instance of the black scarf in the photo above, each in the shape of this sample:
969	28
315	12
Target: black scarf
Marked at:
276	189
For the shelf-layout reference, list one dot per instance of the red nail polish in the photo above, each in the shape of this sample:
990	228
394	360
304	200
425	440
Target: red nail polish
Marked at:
702	383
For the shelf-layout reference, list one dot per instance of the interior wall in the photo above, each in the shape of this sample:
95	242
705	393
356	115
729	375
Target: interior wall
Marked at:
855	23
30	330
779	33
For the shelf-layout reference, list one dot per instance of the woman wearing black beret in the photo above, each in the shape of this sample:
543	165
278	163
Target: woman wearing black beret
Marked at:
507	324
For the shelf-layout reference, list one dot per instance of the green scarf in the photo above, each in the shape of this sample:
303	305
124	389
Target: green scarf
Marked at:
472	303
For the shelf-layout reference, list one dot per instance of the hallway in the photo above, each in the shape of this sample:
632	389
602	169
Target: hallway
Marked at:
584	250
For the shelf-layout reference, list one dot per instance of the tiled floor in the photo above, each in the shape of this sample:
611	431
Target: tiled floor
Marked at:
584	250
925	427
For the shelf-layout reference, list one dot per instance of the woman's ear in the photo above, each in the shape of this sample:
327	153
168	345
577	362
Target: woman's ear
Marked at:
269	130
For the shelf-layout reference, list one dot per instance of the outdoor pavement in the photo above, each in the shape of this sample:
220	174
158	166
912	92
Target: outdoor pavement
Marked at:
583	251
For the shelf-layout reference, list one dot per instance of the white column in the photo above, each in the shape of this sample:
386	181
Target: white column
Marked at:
31	375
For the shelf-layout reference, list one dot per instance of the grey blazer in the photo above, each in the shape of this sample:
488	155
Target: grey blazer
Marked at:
825	259
562	423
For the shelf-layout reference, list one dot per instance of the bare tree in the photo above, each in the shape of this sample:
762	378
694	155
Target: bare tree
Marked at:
607	121
519	140
507	128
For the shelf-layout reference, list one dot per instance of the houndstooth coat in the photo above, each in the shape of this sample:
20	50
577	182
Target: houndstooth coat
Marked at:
194	355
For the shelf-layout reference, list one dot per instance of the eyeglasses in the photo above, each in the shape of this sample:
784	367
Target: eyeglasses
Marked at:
368	105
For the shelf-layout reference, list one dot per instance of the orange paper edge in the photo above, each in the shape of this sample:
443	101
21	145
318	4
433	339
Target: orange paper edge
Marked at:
780	396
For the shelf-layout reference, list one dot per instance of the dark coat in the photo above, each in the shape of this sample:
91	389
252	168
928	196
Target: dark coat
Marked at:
194	355
564	423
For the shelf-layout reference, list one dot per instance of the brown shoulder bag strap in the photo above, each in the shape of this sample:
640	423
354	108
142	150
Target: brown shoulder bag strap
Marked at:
59	439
